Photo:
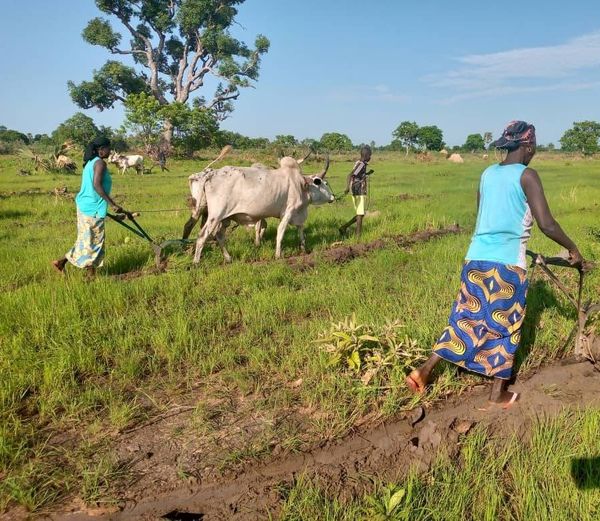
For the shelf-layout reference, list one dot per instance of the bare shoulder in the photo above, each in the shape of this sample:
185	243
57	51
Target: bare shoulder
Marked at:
100	164
530	177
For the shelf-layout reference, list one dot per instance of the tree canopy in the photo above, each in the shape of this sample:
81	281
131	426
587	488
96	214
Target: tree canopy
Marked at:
79	128
474	142
285	140
13	136
406	135
583	137
175	45
430	137
336	142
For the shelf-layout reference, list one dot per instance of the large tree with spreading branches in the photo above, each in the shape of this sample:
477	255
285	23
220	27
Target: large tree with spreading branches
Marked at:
176	46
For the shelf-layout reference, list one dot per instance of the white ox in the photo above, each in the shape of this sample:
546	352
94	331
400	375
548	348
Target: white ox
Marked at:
249	195
125	162
200	210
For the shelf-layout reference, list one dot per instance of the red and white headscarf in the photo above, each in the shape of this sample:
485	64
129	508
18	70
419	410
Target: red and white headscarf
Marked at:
515	134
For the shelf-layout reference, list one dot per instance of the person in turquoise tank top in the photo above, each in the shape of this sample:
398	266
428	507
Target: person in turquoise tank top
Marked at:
484	328
93	201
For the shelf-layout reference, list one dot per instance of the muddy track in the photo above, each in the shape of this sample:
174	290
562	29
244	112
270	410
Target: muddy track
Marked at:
384	451
338	253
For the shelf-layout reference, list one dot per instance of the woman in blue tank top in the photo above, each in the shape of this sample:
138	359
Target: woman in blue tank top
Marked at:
92	203
484	327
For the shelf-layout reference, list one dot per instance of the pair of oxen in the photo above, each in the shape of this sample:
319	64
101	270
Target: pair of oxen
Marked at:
250	195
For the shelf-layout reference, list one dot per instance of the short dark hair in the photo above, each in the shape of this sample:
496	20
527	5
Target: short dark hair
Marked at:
364	150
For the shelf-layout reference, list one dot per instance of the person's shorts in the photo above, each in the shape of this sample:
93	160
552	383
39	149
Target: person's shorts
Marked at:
359	203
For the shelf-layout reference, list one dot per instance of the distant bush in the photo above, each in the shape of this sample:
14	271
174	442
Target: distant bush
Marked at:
9	136
10	147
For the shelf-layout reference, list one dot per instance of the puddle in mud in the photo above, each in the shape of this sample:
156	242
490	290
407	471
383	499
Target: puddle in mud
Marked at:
176	515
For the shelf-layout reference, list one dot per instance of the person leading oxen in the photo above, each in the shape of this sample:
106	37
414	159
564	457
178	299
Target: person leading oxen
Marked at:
357	184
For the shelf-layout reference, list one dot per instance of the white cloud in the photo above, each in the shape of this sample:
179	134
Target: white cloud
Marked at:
525	70
367	93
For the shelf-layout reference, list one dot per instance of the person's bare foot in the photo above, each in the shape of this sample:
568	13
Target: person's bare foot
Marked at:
505	400
415	382
59	265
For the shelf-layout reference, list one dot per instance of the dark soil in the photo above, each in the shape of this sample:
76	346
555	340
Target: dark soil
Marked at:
340	253
337	254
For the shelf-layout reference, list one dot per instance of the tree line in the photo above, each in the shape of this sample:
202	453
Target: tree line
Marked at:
191	132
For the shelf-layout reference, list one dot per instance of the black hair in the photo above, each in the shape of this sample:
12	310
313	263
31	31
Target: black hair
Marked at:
91	150
364	150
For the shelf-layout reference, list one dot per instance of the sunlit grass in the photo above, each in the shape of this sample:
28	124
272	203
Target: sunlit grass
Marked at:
77	355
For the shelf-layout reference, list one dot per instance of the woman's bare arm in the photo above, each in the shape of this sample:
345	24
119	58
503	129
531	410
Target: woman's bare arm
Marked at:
99	169
532	186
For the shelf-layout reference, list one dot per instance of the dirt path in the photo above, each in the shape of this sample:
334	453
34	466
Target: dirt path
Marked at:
382	451
337	253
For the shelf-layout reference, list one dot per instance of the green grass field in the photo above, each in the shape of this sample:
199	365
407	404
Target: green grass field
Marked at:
79	359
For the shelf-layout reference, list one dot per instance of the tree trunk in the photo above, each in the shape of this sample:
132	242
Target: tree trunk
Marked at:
168	133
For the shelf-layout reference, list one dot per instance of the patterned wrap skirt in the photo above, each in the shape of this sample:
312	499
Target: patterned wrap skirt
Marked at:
88	251
484	328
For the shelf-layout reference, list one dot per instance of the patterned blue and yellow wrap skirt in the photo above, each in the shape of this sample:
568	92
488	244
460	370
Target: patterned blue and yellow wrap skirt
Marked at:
484	327
88	251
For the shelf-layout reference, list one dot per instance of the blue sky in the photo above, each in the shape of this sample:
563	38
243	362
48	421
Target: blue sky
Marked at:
343	65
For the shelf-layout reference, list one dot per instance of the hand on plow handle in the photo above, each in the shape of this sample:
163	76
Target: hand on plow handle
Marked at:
123	214
573	260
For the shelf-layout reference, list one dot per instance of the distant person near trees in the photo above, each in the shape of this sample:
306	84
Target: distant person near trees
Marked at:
484	328
92	203
357	183
160	154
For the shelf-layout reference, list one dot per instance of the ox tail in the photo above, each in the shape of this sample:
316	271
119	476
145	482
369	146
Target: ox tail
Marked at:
197	198
224	151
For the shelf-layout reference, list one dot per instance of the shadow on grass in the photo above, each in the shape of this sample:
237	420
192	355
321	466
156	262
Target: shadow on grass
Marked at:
14	214
540	297
130	261
323	232
586	472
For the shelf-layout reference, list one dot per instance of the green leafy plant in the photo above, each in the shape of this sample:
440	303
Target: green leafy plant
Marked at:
368	352
385	505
